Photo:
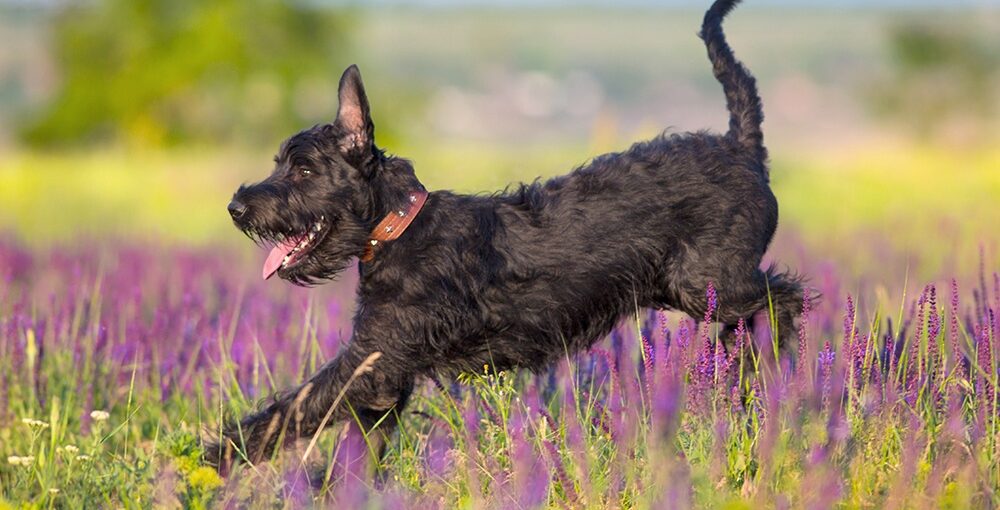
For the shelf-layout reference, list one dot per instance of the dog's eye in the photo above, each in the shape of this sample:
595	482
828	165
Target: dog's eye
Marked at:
305	171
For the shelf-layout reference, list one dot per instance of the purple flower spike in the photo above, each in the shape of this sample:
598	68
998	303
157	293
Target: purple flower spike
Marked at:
470	416
739	343
296	491
661	319
349	471
559	471
436	455
528	489
648	373
825	360
803	326
996	291
956	351
667	406
736	399
935	365
712	299
984	358
849	325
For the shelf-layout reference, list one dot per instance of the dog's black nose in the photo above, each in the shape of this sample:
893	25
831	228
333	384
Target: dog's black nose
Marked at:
237	209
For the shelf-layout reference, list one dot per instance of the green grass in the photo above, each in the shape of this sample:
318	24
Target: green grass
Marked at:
605	441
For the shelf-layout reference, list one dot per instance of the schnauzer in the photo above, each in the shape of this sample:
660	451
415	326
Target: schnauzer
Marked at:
449	283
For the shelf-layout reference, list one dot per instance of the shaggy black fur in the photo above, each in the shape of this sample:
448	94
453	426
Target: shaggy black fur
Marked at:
517	278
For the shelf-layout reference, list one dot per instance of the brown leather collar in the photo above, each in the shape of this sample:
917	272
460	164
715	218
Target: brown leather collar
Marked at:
393	225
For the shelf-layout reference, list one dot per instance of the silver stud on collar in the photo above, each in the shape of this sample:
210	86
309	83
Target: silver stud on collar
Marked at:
388	229
400	213
413	198
374	242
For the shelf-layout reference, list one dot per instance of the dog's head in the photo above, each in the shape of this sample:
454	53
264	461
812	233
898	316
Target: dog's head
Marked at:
329	187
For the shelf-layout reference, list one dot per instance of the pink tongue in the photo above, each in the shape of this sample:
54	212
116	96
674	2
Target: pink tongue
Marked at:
277	256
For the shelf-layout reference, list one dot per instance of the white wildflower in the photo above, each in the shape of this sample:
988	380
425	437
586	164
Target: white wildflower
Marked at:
20	461
31	422
99	415
83	457
53	491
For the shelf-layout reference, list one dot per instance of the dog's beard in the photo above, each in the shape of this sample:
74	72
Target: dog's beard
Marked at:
308	248
312	261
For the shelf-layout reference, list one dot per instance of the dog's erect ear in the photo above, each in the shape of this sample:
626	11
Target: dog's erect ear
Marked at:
353	116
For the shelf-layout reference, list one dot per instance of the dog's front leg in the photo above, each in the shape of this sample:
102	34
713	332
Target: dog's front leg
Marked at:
354	383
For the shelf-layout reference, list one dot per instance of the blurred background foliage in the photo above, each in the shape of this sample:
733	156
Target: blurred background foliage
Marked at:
137	119
944	76
164	72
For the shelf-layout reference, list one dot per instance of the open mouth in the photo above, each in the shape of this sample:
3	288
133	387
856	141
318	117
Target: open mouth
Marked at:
293	250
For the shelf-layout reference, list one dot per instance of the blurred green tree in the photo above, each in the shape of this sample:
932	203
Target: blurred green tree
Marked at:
944	73
163	72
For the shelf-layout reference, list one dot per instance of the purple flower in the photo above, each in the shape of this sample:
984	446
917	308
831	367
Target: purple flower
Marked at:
933	327
890	349
529	490
740	341
667	406
858	360
712	299
661	319
956	351
435	454
803	327
599	418
849	329
609	362
648	365
984	360
685	334
736	399
559	473
348	475
825	361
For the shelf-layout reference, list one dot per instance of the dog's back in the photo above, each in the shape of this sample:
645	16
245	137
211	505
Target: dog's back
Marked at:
555	265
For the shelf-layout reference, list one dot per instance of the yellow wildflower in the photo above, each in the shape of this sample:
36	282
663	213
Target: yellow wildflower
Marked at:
204	479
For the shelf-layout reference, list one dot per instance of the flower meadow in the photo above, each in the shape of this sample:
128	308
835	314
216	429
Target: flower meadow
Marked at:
116	362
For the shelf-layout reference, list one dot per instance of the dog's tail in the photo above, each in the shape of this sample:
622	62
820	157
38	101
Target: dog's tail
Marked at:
739	85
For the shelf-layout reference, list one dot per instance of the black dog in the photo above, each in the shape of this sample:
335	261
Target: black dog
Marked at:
515	279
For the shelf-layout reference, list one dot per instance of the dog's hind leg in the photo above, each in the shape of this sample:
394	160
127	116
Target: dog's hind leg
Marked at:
740	295
778	294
